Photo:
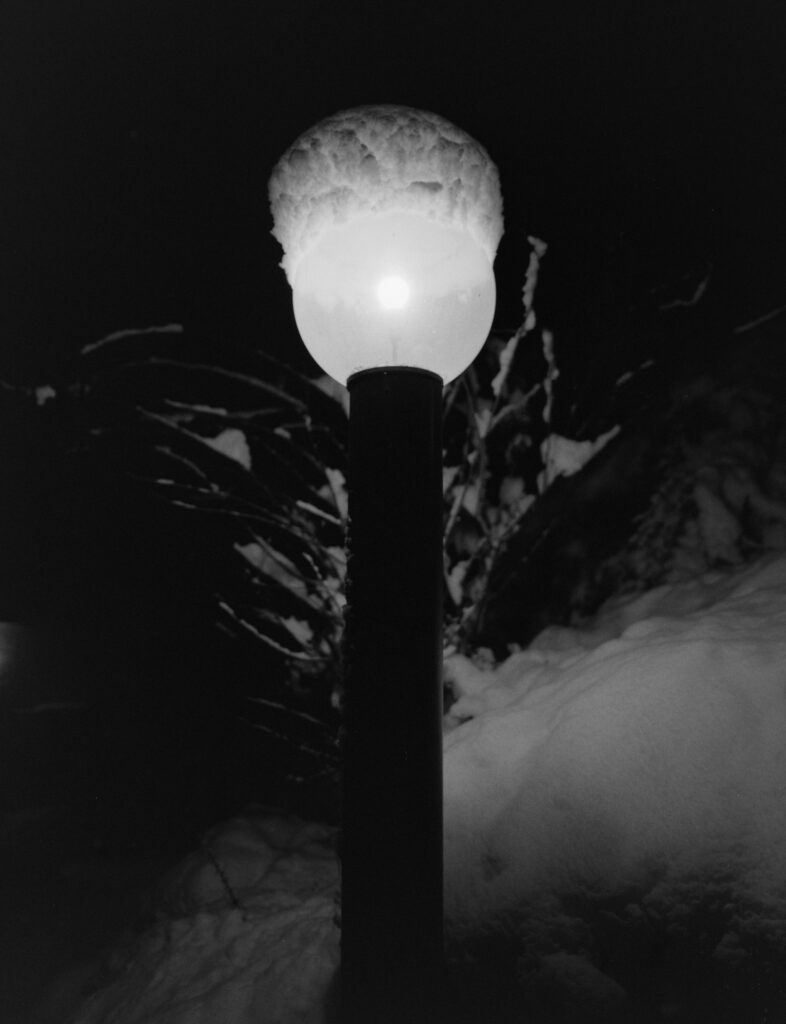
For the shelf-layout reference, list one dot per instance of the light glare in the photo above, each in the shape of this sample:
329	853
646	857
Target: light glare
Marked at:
393	292
394	289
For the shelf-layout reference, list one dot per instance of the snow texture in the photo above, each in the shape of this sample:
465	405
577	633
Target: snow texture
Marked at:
245	933
623	788
380	158
564	457
615	816
232	443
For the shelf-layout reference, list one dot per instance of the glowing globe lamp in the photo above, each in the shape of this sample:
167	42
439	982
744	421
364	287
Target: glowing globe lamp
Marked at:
394	289
389	219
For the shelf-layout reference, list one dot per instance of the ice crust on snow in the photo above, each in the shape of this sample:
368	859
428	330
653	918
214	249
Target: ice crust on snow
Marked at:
607	791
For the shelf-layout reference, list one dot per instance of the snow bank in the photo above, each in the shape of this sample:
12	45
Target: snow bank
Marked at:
631	776
245	934
615	815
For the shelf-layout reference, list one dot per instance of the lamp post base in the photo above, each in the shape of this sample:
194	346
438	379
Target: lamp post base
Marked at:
391	904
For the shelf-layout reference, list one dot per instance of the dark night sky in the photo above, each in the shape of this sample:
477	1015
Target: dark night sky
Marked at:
640	140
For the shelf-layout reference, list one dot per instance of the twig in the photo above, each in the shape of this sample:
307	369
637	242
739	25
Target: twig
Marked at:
244	624
759	320
224	880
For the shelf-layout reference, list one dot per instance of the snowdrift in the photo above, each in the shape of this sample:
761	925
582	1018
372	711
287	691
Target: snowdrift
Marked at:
245	932
615	840
615	814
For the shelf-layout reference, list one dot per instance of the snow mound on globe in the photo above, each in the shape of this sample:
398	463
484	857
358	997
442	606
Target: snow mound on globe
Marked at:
615	801
376	159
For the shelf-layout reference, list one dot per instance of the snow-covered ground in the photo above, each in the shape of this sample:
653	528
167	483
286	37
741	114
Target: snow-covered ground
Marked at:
615	808
615	819
243	932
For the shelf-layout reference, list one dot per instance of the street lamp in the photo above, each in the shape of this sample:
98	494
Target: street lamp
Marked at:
389	219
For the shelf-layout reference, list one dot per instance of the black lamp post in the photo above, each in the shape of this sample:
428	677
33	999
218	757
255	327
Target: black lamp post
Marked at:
391	934
390	218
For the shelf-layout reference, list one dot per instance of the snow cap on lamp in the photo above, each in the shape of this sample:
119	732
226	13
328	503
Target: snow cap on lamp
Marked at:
390	219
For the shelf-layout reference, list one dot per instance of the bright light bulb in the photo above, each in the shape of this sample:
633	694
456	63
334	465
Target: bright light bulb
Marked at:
394	289
393	292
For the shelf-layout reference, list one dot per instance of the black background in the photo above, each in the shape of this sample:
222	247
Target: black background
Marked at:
643	141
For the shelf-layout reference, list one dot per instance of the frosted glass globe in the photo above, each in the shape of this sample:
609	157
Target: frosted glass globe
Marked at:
394	289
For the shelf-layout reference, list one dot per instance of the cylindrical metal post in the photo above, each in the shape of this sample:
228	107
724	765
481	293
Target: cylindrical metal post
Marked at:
391	903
